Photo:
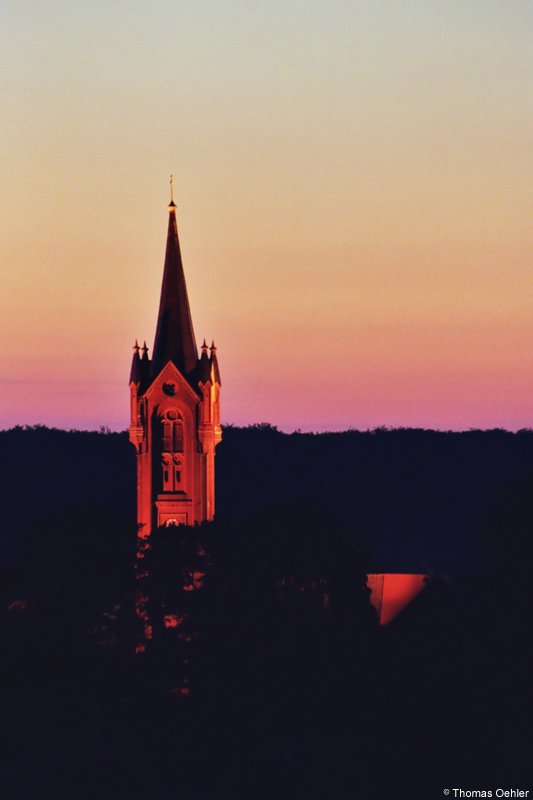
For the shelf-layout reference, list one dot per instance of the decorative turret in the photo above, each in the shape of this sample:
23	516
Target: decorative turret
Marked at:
135	372
204	366
214	364
145	367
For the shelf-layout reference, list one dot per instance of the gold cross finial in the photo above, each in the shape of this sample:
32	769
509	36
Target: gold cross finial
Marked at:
172	190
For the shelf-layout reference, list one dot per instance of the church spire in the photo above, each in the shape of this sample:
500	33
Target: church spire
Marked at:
174	338
175	410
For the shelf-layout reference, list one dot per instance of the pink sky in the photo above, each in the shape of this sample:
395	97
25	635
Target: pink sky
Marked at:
354	190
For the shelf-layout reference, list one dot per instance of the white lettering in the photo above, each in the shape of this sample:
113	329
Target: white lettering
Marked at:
489	793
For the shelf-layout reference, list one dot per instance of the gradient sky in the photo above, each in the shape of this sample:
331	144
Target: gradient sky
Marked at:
355	192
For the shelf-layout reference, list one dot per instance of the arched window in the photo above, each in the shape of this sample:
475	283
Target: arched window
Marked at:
172	432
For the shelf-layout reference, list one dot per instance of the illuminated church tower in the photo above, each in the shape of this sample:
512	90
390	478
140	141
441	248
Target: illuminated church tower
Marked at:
175	410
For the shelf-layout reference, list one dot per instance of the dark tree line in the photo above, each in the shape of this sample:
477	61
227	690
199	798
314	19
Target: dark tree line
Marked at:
438	486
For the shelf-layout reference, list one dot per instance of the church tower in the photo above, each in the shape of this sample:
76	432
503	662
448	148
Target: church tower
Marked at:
175	409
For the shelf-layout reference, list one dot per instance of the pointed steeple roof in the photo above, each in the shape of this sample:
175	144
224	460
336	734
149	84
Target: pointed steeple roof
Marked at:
174	338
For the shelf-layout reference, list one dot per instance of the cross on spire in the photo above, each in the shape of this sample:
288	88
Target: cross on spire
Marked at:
172	204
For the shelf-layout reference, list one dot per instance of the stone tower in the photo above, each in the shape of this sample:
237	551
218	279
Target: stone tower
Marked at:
175	410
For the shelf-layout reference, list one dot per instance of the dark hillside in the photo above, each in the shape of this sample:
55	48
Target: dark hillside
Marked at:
418	495
46	472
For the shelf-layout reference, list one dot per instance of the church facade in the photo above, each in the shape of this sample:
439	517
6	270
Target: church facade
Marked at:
175	409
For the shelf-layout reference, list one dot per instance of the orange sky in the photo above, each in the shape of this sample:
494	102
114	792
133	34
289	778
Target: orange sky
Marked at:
354	189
